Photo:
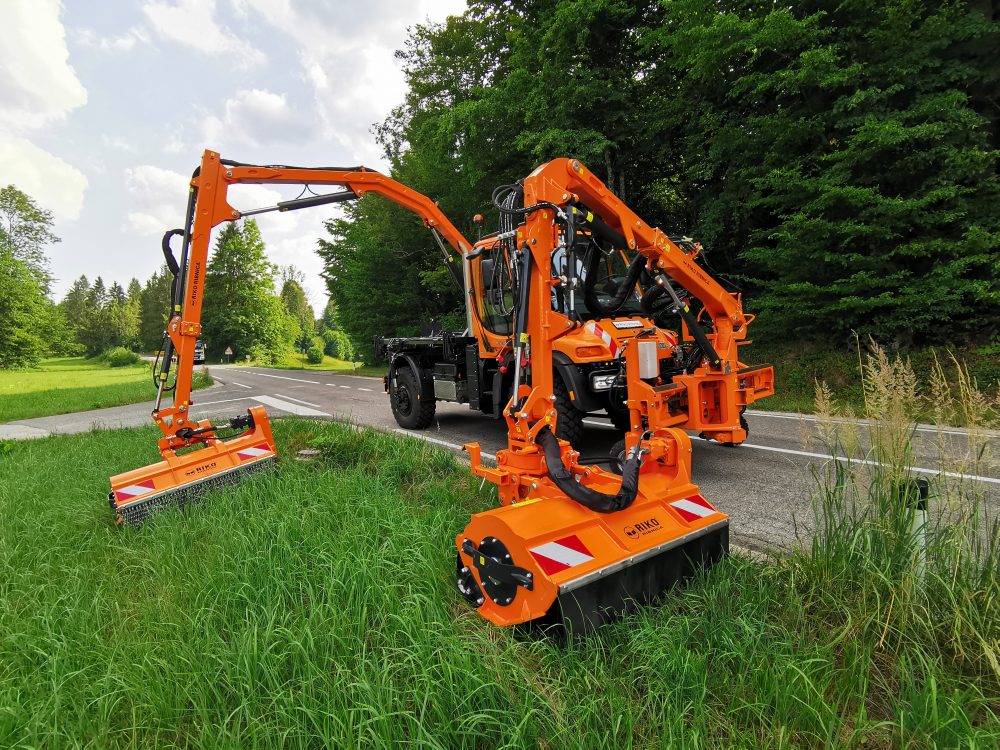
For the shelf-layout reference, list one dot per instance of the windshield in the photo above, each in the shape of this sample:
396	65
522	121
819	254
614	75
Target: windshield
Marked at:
611	273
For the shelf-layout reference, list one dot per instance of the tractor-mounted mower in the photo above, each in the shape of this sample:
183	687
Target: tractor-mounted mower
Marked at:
571	543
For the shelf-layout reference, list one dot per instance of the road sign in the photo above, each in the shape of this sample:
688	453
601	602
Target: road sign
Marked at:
229	351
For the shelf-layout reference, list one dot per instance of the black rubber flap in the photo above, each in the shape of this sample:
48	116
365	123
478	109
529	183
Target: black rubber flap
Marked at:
135	514
604	599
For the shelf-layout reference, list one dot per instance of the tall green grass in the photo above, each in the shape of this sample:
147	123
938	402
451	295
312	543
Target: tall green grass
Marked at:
316	608
798	366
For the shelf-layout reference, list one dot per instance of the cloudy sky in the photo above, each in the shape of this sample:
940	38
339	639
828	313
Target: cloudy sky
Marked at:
106	106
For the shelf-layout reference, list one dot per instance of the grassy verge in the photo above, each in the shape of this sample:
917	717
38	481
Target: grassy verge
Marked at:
315	608
61	386
797	370
329	364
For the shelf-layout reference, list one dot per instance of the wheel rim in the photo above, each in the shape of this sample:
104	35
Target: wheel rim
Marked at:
403	402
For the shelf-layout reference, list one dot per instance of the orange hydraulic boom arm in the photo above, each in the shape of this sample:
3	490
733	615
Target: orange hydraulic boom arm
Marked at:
181	477
209	189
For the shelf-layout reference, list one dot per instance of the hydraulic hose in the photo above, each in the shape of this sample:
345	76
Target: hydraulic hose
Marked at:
599	502
168	254
593	303
651	305
598	227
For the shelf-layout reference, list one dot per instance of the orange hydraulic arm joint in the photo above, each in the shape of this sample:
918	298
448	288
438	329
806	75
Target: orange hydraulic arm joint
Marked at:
719	388
221	457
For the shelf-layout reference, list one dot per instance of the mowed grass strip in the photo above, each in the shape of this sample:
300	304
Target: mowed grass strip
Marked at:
296	361
61	386
315	608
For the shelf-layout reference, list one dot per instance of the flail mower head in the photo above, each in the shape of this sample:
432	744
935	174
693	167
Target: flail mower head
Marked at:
182	478
586	546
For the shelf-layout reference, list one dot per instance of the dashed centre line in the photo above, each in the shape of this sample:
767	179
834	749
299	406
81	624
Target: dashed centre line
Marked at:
279	377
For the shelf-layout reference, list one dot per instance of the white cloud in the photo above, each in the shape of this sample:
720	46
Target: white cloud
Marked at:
346	51
118	143
193	23
53	183
121	43
254	117
157	198
37	83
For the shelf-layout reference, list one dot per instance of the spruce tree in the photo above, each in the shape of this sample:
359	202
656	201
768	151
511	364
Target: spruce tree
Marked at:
240	308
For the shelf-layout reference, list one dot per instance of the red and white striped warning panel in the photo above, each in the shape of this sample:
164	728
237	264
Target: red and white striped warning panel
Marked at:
257	450
135	490
603	335
561	554
693	508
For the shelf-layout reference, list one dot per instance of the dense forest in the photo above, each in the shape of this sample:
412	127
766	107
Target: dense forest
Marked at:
837	160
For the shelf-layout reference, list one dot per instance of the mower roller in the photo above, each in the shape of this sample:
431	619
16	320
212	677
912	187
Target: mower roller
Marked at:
571	544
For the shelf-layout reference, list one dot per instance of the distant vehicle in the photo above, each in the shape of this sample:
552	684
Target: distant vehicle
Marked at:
199	352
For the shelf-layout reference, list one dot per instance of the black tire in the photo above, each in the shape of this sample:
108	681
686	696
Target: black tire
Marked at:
569	425
408	408
617	454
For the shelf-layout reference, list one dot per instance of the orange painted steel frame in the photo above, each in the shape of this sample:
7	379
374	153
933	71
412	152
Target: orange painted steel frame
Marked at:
535	511
715	396
212	209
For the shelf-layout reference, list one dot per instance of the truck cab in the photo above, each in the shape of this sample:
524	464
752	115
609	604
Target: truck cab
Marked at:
474	366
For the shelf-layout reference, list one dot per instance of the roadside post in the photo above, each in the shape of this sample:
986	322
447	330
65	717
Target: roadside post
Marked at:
916	498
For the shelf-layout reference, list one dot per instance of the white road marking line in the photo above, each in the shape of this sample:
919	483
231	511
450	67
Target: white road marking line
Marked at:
292	398
291	408
813	418
337	374
240	385
866	462
343	386
365	389
223	401
443	443
282	377
843	459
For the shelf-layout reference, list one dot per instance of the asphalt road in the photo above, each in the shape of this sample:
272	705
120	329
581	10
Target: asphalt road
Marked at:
765	485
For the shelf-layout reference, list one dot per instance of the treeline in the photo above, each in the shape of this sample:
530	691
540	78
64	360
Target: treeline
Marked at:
838	160
242	309
31	325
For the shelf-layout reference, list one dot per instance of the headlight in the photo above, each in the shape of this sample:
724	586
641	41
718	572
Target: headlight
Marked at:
602	381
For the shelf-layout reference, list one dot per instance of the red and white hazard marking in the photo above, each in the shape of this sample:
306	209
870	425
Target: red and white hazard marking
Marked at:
135	490
561	554
257	450
693	508
603	335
